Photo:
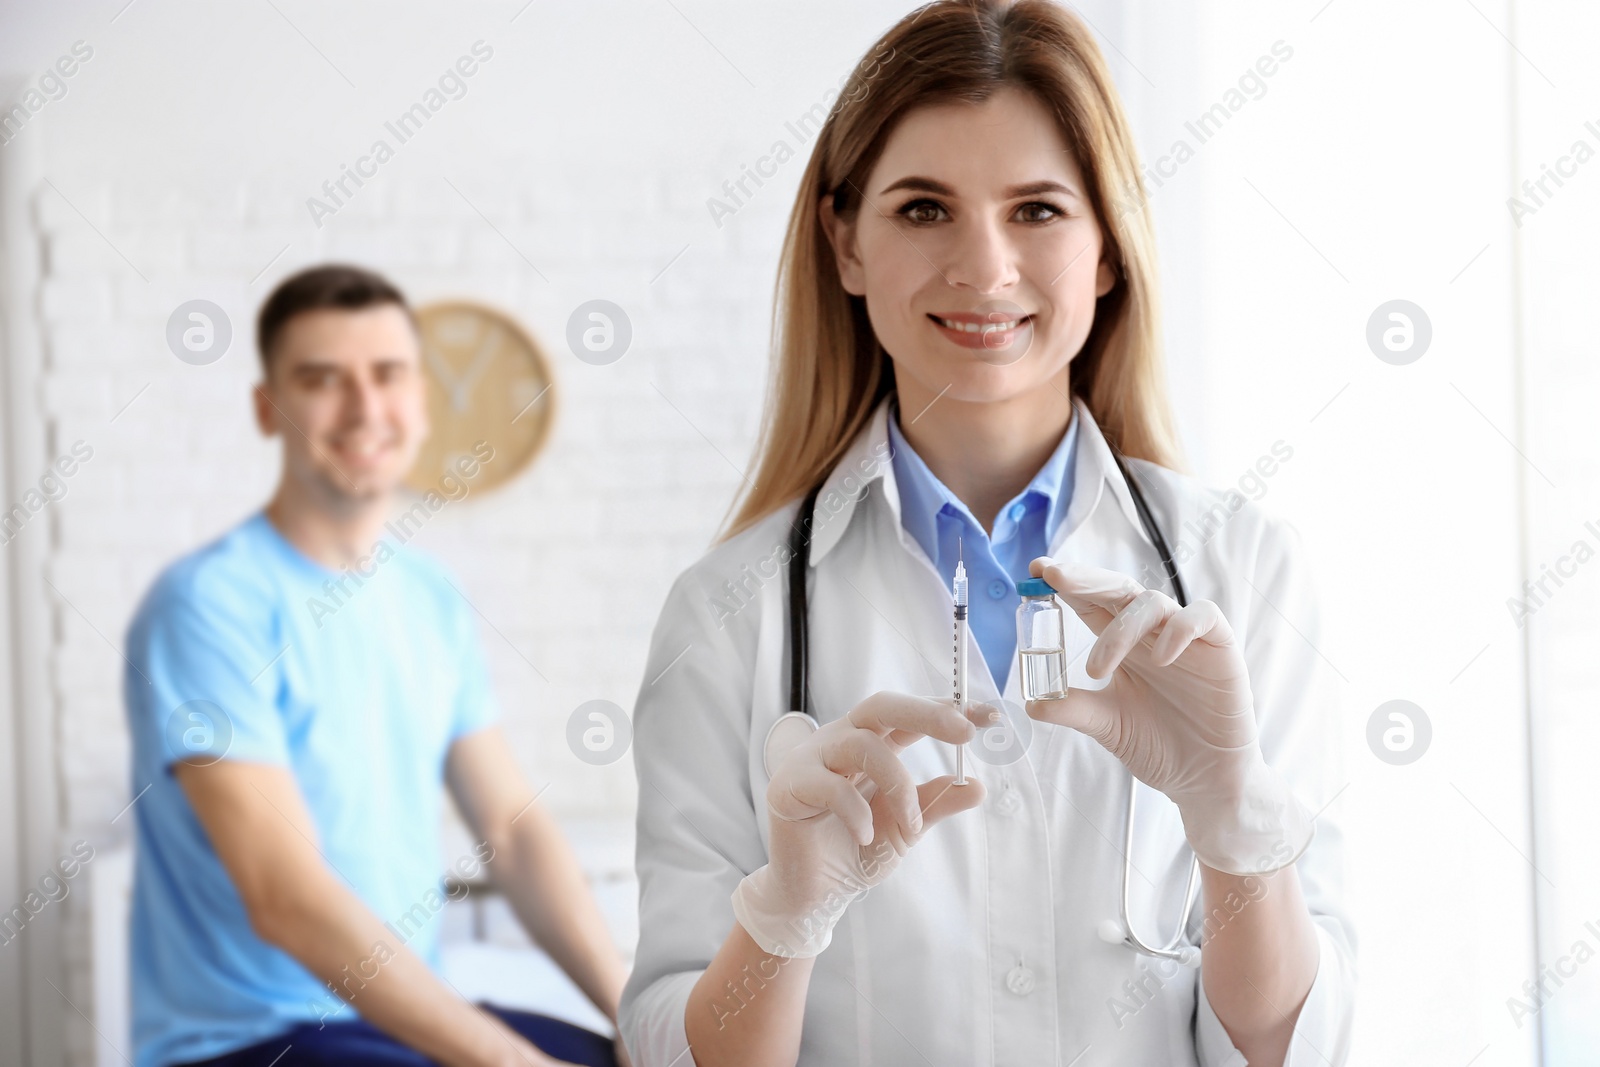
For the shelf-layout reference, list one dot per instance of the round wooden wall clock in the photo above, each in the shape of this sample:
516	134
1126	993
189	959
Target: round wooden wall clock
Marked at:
488	380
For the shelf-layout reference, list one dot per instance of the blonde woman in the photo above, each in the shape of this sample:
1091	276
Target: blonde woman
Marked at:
968	370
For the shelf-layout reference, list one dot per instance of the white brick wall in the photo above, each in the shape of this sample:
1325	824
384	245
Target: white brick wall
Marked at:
571	561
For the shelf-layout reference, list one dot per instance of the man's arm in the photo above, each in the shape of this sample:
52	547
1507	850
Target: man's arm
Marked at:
534	866
262	832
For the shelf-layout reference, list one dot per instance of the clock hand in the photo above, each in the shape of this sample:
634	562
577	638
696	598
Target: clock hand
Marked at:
441	368
480	363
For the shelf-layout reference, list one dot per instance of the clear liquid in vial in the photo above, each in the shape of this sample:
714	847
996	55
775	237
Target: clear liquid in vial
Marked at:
1044	673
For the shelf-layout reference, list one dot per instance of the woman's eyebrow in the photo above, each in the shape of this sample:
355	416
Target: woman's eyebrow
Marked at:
929	185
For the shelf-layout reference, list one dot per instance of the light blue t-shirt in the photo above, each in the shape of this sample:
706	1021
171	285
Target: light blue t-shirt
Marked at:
358	682
942	525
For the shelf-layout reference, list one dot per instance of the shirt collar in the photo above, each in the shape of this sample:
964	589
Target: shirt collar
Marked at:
1058	477
923	496
867	462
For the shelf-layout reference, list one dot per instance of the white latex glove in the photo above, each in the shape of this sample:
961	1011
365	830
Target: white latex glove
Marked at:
1179	715
843	810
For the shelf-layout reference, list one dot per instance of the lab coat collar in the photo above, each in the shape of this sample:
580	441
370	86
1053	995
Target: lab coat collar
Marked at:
865	468
1096	473
865	462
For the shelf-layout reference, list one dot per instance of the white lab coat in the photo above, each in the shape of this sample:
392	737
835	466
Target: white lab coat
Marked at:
981	948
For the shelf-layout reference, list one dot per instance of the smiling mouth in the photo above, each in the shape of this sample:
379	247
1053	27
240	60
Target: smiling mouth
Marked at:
981	327
361	451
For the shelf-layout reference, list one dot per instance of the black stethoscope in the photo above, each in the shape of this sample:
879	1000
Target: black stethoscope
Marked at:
1111	930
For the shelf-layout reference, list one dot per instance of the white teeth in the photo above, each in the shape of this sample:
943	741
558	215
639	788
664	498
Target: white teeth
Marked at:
980	327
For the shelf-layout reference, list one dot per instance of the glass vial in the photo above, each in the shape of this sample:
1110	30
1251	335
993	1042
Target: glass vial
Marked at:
1041	641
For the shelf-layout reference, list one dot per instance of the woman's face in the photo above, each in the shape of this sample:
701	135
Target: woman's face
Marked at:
975	214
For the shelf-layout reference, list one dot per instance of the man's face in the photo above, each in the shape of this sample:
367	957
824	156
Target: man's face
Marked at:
347	395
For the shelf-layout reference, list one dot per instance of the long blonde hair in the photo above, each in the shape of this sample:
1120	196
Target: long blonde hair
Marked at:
831	371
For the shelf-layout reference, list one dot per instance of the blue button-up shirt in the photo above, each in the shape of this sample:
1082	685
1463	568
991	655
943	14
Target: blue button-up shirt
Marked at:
1022	531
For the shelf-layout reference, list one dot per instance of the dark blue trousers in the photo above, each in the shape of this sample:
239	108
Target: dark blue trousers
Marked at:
360	1044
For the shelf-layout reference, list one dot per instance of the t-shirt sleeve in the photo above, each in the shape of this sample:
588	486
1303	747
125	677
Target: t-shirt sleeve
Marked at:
475	705
200	683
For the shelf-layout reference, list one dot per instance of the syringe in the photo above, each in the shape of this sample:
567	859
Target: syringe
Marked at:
960	592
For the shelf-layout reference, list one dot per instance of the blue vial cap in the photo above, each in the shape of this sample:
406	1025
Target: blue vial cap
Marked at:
1034	587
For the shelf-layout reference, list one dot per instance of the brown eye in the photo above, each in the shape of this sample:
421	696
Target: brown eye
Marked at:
1051	211
921	212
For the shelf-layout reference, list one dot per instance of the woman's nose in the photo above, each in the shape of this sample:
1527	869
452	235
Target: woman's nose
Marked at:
982	258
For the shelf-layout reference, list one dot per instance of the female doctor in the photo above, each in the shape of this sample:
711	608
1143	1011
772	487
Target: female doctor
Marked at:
967	342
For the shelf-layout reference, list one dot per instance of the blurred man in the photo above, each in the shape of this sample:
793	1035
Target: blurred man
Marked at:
297	692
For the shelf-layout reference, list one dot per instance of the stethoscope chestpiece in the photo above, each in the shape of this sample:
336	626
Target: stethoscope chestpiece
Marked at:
787	731
1113	932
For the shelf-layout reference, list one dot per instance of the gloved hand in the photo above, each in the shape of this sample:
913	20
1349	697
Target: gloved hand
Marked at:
843	811
1179	715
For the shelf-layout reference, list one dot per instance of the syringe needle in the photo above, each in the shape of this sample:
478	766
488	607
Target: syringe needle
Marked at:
959	595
